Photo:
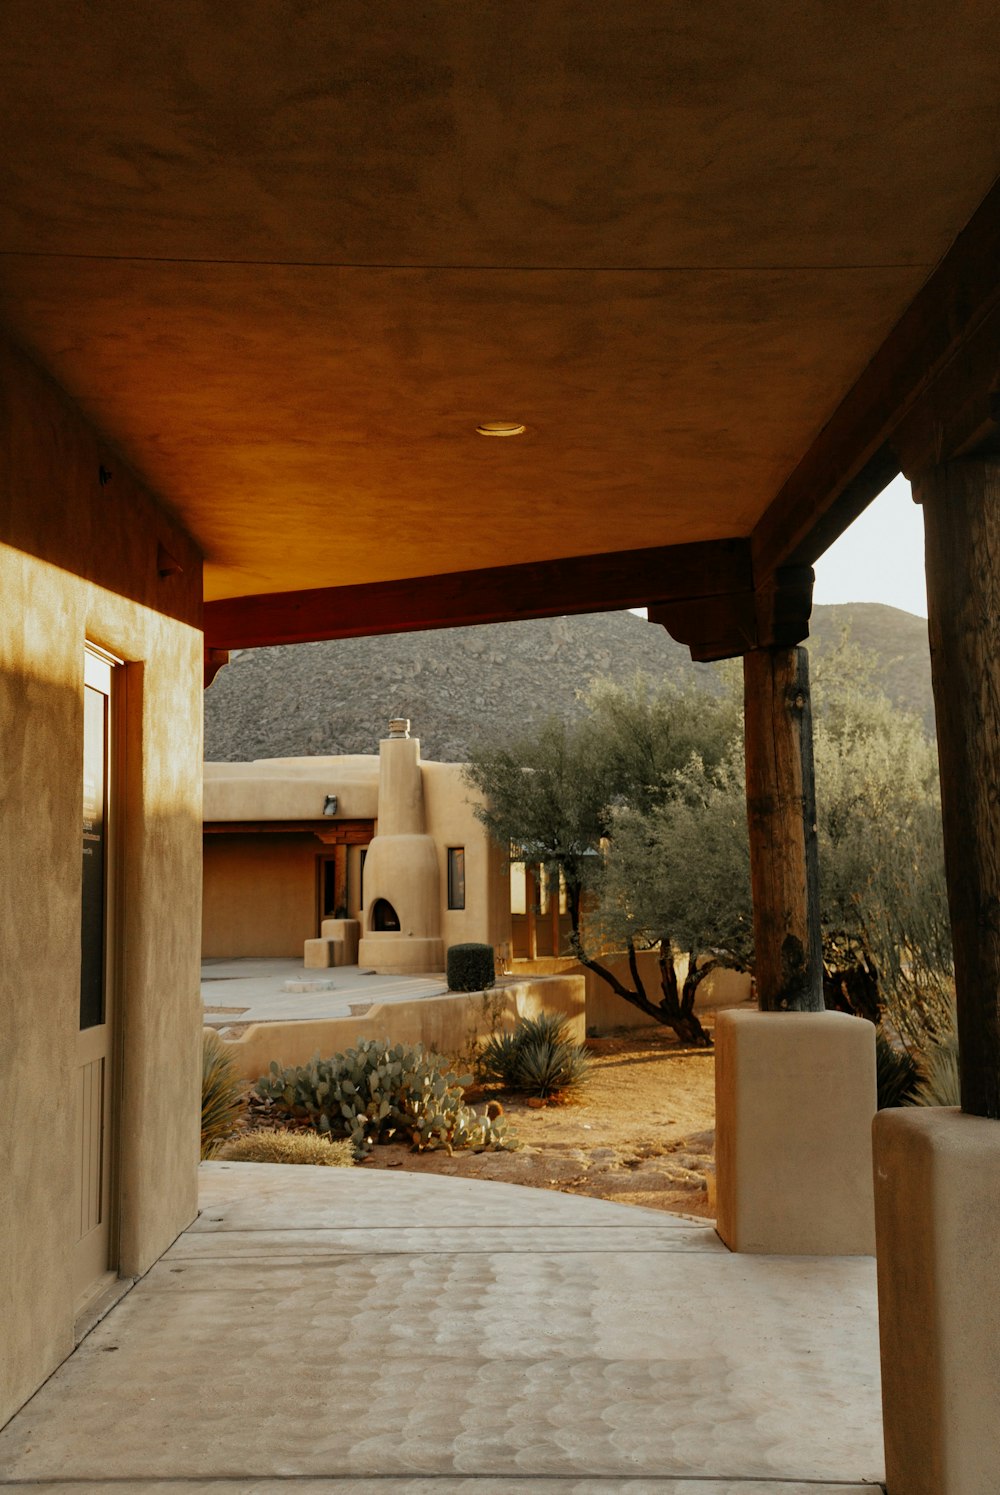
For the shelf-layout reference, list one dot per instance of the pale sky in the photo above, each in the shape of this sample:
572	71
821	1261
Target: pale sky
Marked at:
880	558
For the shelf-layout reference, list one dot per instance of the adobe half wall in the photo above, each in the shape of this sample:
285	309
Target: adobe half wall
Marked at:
81	560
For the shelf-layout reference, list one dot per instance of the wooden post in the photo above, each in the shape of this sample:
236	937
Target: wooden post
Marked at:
961	503
340	880
781	810
530	885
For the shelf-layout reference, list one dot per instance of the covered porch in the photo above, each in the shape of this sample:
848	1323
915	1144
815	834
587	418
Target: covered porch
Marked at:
273	281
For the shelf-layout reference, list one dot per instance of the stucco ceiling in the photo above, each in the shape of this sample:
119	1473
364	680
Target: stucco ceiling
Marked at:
287	255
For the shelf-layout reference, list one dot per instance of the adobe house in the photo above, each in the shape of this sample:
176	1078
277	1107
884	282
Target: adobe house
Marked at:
390	844
320	321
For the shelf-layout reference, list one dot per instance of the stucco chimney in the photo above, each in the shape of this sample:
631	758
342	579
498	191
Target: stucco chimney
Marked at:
402	914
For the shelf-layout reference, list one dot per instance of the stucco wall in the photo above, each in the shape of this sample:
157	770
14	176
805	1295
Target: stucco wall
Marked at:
448	1024
80	562
448	805
259	894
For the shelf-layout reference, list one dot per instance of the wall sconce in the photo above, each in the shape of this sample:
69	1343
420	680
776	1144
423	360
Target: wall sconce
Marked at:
330	805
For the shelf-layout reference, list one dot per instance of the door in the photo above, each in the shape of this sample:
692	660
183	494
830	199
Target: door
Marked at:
95	1066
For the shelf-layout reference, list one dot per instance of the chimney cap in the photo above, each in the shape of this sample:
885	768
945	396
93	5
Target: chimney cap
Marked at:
399	726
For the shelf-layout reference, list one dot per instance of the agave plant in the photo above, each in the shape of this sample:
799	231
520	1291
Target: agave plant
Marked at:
896	1071
223	1093
939	1083
537	1057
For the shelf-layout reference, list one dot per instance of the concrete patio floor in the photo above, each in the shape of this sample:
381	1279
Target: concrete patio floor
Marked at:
253	991
321	1330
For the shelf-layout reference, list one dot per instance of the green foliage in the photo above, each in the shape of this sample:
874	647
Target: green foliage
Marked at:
380	1092
642	805
223	1093
273	1146
537	1057
681	872
881	852
547	795
471	967
649	733
896	1073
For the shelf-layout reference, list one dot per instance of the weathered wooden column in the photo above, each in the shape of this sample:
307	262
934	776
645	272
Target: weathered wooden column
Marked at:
938	1170
781	811
795	1085
961	503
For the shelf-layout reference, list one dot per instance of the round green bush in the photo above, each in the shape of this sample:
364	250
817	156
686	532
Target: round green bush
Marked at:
471	967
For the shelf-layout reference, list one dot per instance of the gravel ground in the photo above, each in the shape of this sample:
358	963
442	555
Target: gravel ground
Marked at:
642	1131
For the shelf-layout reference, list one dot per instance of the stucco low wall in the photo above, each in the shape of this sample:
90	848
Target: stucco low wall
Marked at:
607	1012
447	1024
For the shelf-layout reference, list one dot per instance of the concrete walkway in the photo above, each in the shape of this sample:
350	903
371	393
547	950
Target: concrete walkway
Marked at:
270	991
321	1330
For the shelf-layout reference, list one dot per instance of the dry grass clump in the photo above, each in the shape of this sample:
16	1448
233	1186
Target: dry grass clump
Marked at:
287	1147
223	1093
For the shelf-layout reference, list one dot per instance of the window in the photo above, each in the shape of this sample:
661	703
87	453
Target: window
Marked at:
518	888
456	876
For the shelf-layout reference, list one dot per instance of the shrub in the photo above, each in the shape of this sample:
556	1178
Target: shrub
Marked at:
223	1093
939	1079
896	1073
471	967
272	1146
537	1057
380	1093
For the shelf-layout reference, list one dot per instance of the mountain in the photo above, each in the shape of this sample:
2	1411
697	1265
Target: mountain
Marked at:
461	686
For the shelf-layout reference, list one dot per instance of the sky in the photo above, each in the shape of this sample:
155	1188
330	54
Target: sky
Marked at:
880	558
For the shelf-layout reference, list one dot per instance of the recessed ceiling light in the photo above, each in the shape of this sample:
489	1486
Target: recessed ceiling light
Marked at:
500	428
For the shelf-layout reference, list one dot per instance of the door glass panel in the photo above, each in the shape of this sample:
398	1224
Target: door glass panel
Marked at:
95	758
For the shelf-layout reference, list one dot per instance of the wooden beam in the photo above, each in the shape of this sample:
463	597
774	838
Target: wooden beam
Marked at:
855	447
330	832
775	616
781	812
961	503
609	582
214	661
958	413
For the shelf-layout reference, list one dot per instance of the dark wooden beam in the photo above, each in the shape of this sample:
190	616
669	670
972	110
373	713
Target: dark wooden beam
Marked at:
609	582
855	450
331	832
958	414
215	659
776	615
961	503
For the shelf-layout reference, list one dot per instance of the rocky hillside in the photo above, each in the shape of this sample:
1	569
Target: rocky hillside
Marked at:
462	686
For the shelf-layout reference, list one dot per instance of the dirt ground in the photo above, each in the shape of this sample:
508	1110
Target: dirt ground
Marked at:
642	1131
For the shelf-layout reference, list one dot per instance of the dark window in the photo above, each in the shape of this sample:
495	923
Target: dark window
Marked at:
456	876
361	879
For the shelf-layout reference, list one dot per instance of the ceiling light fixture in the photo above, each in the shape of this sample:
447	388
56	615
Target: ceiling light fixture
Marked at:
500	428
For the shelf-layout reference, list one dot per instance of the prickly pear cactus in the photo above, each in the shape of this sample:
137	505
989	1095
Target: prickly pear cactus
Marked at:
379	1092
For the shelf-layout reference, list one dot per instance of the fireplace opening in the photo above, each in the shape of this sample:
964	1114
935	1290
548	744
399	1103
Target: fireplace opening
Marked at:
384	916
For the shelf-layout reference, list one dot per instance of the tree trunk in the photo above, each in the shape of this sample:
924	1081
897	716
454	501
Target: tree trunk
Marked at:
673	1011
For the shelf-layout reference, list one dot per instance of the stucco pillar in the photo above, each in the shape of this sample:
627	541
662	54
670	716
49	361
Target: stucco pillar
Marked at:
937	1171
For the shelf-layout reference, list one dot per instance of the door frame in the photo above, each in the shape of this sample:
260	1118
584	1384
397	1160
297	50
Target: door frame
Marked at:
107	673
